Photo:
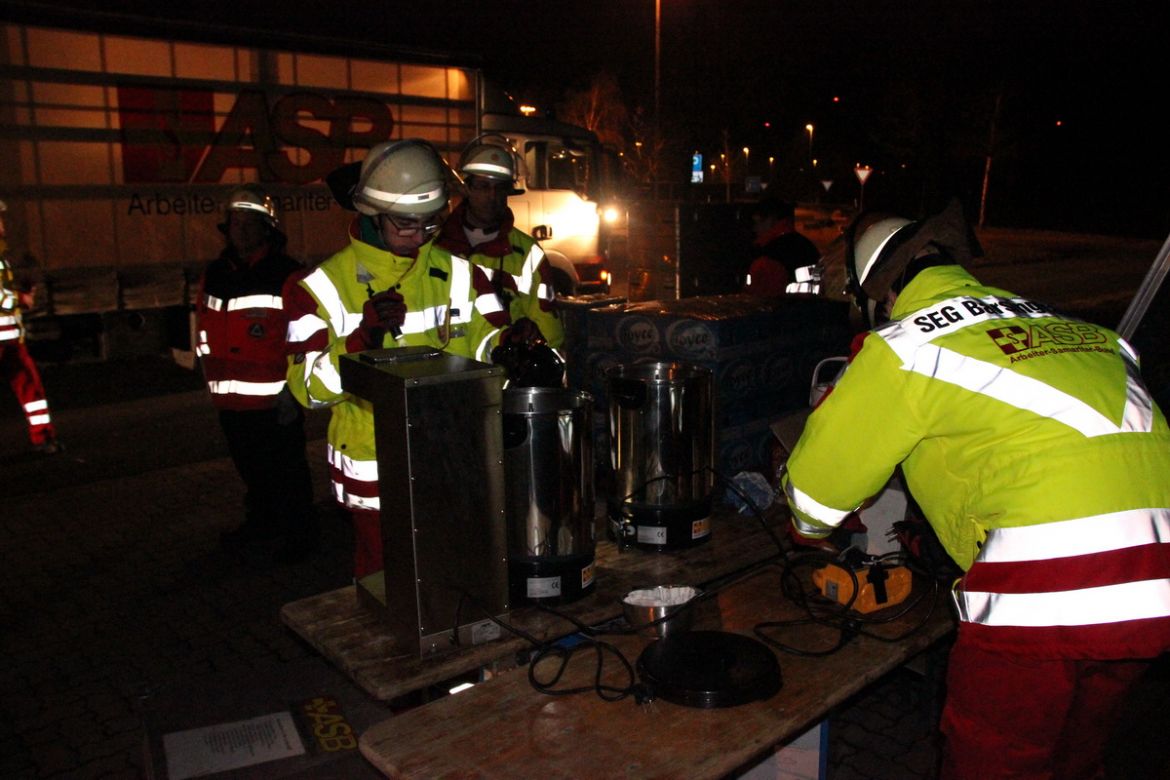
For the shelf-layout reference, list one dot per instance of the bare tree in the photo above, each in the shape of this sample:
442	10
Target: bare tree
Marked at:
599	108
645	155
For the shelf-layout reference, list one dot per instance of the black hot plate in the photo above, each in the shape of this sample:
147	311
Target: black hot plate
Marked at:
709	669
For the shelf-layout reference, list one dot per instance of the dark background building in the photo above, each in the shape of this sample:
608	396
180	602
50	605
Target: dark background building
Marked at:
1057	102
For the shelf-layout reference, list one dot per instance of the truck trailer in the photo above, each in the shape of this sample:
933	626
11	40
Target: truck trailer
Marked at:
118	148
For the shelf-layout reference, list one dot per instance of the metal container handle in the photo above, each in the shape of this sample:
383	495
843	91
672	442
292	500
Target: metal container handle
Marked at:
629	393
515	431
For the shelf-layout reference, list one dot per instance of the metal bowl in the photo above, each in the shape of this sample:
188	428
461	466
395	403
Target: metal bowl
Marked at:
643	607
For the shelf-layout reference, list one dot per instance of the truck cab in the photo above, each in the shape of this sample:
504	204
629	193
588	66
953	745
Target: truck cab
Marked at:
564	205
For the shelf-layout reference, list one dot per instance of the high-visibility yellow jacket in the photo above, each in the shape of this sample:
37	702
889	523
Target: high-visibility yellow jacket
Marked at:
518	267
449	305
1034	450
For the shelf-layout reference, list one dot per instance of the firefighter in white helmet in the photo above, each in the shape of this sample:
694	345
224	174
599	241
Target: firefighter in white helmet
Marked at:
391	286
241	327
482	228
1039	458
16	364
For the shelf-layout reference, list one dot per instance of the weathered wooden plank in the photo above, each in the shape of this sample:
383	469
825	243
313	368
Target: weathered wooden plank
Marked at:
504	728
355	639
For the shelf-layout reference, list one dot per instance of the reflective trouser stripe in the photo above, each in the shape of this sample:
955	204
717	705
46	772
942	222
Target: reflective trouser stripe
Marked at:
1080	536
354	470
1084	607
37	412
1071	539
9	328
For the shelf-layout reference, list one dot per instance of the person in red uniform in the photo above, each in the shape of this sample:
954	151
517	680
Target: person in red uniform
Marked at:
780	250
241	346
16	364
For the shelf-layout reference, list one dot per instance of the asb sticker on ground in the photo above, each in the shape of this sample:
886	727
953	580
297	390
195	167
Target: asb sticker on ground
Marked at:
325	726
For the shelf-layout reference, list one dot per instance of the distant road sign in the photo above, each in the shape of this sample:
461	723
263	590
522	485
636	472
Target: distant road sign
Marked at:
696	168
862	173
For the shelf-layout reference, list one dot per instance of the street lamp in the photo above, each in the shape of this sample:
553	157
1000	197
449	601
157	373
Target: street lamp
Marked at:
746	161
657	80
809	128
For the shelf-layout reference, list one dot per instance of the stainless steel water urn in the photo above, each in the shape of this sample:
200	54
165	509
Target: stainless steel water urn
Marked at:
548	493
661	424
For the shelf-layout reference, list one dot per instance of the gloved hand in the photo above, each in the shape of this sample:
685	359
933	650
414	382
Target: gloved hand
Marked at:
384	311
523	331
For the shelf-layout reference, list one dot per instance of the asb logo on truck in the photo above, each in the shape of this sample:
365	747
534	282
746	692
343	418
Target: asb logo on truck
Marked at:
171	135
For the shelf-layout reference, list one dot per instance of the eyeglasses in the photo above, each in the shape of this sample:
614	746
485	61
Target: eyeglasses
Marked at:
410	226
479	184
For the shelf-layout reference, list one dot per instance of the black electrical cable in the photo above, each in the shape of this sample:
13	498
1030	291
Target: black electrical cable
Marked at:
541	648
589	640
751	505
833	614
836	615
605	692
820	611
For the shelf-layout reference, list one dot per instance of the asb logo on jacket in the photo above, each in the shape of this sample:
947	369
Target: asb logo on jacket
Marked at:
1049	337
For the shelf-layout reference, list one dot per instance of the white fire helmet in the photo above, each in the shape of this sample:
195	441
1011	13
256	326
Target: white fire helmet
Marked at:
403	179
867	249
252	198
493	157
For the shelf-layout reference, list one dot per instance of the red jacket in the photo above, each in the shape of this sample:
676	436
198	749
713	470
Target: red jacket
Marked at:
781	251
242	327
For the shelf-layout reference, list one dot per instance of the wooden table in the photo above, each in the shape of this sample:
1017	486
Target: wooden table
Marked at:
503	728
357	642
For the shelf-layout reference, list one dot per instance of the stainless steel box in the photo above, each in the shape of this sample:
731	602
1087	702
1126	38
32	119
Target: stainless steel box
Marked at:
441	485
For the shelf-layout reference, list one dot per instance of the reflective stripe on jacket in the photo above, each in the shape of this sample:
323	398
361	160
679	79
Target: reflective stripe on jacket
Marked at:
241	327
1033	448
11	325
517	265
449	305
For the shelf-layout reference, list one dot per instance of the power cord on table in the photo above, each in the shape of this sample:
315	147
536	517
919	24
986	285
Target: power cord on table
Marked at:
822	611
819	611
831	613
752	507
587	638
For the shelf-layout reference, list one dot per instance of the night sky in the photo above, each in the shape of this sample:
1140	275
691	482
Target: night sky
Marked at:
903	86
